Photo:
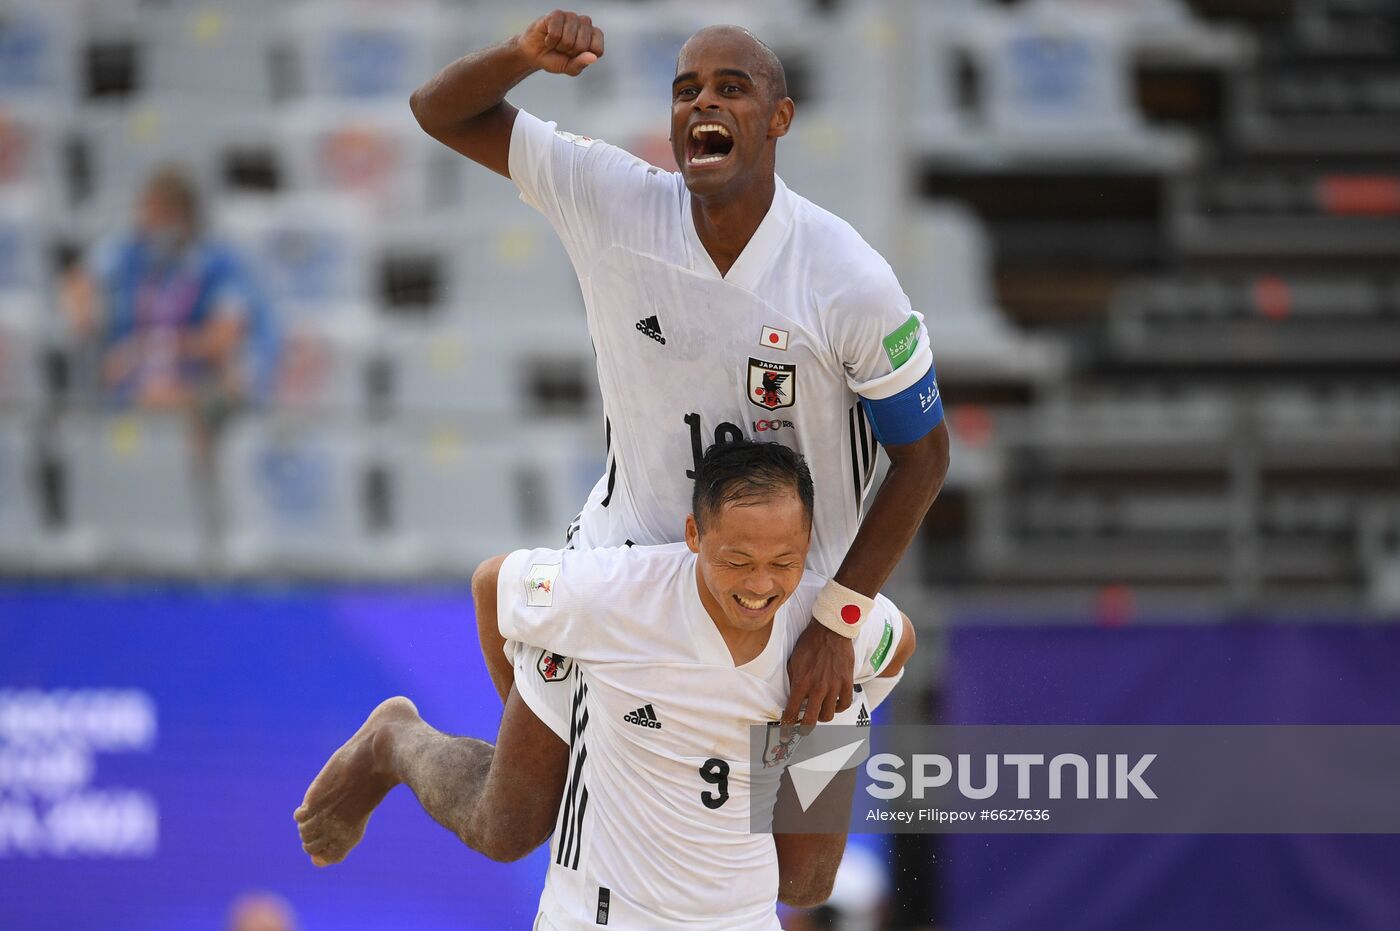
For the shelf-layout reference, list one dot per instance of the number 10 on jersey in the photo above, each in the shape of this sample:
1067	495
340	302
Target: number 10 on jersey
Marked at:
726	432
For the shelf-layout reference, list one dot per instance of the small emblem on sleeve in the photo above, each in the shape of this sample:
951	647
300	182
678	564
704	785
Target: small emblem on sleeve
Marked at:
900	344
539	585
882	649
772	385
773	338
554	668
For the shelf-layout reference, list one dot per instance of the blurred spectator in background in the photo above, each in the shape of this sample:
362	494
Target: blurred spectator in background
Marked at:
173	319
261	911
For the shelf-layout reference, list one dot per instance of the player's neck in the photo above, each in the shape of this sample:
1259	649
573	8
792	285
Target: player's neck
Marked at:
744	645
726	222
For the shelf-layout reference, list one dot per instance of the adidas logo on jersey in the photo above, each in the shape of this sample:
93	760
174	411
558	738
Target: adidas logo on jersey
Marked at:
643	717
651	326
863	719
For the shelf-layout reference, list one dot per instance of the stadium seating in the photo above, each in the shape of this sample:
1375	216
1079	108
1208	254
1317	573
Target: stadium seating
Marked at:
324	364
366	52
21	377
21	244
946	270
423	313
462	494
1056	88
21	524
119	466
293	494
38	57
310	252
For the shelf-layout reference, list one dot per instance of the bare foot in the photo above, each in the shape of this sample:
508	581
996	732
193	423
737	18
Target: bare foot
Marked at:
337	806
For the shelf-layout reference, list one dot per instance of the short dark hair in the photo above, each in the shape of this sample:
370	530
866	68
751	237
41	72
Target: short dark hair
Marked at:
744	470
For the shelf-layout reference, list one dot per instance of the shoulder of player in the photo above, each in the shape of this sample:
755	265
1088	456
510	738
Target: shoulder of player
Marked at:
638	594
592	153
650	567
647	178
844	269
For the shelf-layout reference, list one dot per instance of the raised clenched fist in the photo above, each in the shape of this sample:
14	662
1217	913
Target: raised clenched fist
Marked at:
562	43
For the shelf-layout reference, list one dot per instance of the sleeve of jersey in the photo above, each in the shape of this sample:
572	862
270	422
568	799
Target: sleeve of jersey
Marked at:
542	599
878	639
885	348
575	181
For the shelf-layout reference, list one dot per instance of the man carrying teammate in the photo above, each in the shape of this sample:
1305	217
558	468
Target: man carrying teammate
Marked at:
676	651
721	306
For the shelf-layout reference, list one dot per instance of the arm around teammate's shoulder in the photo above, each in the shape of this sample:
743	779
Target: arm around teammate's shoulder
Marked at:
463	106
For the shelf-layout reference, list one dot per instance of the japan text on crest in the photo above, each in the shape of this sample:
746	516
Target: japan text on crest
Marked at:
772	385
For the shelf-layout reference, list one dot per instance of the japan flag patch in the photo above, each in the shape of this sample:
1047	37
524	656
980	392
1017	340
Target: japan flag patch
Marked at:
773	338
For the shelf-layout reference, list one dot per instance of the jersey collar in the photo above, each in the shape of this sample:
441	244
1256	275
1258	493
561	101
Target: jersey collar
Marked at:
761	248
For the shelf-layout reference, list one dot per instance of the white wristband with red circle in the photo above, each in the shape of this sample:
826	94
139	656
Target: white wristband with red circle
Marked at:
842	610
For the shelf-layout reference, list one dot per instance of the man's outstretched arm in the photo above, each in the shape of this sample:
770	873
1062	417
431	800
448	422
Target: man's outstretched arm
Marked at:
501	801
464	105
822	662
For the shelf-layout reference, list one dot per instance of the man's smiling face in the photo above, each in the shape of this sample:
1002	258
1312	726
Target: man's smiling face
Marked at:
752	556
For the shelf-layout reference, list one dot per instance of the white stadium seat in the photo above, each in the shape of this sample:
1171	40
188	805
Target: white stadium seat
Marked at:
310	251
21	526
38	52
374	153
322	364
134	490
293	493
232	55
517	262
1057	86
360	51
436	369
464	491
947	273
30	156
21	377
21	243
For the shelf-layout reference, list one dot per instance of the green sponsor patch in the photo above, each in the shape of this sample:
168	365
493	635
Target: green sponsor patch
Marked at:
899	345
883	649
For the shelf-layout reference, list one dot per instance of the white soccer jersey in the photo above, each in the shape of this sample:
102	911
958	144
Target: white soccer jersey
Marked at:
653	828
808	318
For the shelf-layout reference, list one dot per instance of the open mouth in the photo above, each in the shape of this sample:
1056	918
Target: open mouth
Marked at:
709	144
754	606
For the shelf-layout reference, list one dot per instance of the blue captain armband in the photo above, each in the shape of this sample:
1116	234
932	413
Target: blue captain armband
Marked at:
907	416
